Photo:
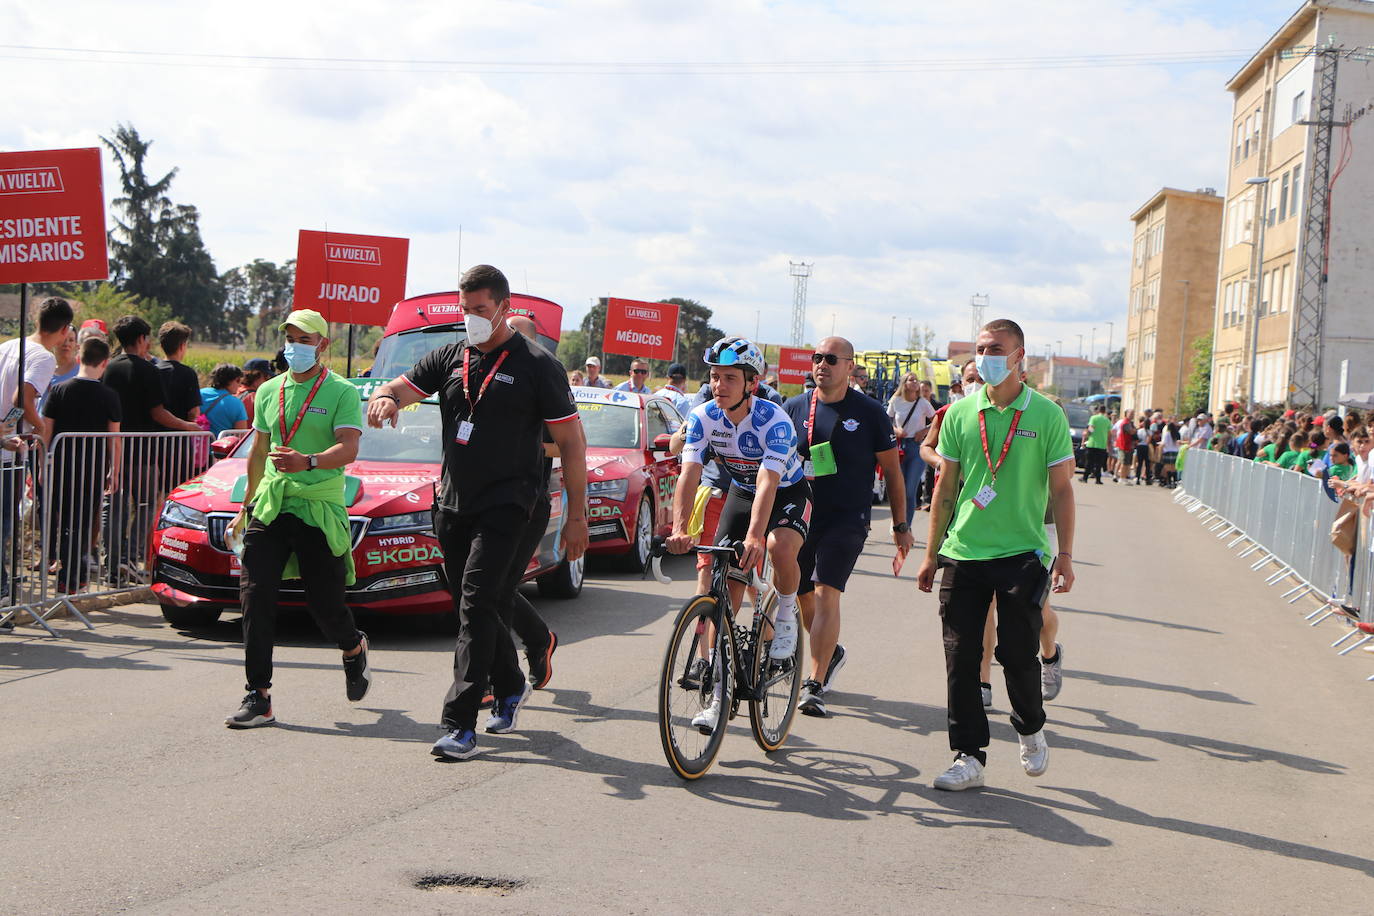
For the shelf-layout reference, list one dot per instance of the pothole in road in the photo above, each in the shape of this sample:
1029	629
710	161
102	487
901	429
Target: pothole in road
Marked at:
465	882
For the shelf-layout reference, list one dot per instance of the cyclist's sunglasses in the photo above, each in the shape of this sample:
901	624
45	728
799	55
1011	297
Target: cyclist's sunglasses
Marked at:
829	359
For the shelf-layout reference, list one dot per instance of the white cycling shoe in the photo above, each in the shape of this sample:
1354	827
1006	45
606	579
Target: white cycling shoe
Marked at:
784	640
707	720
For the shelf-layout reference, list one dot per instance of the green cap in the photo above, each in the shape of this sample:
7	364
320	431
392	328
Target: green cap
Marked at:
308	320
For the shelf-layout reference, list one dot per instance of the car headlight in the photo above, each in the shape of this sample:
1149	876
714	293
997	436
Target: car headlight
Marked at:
609	489
179	515
403	523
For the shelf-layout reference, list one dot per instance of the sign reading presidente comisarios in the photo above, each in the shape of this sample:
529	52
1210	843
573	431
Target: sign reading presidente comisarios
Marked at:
351	279
52	216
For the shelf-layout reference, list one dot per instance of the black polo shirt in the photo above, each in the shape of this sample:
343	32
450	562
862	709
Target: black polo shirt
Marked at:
139	386
857	428
502	462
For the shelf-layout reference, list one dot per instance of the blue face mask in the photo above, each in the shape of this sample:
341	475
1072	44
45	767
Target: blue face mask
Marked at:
993	369
300	357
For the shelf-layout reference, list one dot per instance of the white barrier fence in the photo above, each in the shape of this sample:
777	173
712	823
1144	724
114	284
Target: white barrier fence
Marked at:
77	515
1284	519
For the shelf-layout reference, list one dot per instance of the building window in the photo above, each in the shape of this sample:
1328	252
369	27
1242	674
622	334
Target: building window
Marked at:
1300	107
1286	301
1295	193
1240	135
1266	289
1283	198
1255	129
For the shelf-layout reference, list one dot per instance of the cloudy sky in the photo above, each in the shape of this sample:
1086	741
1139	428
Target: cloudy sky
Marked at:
915	152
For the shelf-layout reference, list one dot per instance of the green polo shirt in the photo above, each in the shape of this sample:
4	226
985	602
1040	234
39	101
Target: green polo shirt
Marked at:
1014	522
1266	453
335	406
1291	457
1098	429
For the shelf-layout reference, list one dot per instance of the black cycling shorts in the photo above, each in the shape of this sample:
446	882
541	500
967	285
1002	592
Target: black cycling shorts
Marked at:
829	554
791	509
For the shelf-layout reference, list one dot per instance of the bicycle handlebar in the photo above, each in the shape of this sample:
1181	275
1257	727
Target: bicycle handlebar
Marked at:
658	549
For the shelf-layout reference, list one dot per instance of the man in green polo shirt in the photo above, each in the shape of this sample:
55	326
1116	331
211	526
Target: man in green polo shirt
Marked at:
1099	428
1004	454
306	423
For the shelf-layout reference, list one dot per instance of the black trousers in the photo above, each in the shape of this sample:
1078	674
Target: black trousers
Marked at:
1095	459
516	610
479	550
966	591
265	551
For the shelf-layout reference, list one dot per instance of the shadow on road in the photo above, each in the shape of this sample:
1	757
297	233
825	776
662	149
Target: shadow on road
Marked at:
1167	624
1116	680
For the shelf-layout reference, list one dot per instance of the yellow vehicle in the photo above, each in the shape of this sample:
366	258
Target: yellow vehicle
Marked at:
886	368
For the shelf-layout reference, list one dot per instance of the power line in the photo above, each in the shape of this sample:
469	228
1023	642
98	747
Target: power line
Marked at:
613	68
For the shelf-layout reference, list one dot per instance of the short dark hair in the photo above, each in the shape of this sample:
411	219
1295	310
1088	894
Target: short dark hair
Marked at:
1341	447
1337	424
171	336
54	314
223	374
1007	326
94	351
130	329
485	277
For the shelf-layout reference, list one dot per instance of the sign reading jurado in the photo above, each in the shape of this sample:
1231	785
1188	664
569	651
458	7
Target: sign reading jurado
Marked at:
351	279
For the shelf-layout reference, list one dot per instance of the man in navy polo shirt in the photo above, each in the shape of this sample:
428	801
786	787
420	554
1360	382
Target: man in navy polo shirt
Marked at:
842	433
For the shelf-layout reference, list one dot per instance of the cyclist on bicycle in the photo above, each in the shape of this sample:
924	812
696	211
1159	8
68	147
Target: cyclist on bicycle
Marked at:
768	505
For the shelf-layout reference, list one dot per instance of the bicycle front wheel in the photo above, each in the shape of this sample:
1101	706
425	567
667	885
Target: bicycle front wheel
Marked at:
697	673
776	683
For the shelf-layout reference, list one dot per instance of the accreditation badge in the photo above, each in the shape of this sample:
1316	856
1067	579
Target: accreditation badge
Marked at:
464	432
984	497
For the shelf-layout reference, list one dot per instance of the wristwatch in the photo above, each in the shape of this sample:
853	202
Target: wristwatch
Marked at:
311	462
901	528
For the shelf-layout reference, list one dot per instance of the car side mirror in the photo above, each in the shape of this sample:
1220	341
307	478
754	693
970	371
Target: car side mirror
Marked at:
225	444
662	442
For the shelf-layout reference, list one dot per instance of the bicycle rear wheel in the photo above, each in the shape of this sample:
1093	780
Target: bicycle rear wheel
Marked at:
771	715
687	686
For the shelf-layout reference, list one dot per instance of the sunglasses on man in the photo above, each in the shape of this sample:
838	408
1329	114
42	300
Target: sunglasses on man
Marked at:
640	371
829	359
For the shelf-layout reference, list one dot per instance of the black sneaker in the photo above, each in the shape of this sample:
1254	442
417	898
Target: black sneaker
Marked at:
256	711
357	674
541	663
811	703
836	663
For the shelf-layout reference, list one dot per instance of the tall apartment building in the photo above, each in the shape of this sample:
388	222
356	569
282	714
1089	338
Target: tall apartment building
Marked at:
1261	293
1173	294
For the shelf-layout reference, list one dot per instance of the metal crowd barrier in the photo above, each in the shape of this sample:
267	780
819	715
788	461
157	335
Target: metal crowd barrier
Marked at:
1284	520
85	524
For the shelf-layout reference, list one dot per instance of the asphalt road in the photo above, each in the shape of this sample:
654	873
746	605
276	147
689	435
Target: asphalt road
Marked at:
1209	754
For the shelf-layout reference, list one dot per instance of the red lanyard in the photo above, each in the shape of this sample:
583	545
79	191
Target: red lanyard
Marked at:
281	404
811	421
467	389
1006	446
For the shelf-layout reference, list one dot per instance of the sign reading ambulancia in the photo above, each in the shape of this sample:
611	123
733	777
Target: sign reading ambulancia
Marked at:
645	329
52	216
351	279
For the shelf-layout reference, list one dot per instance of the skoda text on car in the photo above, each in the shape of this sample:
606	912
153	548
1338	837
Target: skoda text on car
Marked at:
389	492
630	473
424	323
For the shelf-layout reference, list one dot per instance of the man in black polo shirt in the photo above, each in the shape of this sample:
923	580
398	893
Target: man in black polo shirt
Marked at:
136	380
496	393
841	434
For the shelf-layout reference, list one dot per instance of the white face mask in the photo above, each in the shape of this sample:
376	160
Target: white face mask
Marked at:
479	329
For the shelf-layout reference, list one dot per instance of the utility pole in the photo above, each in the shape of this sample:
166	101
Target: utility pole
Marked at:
978	304
1080	346
1257	274
1309	322
1110	326
1182	340
892	333
1092	346
800	271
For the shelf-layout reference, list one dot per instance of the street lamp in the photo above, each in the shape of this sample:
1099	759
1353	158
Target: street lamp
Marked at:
1092	347
1257	258
892	332
1110	326
1058	347
1080	346
1182	337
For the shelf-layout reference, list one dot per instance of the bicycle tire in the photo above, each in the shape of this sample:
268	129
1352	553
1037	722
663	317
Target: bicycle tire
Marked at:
680	697
771	717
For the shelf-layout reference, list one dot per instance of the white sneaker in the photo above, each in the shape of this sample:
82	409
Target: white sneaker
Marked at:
784	640
707	720
1035	753
965	773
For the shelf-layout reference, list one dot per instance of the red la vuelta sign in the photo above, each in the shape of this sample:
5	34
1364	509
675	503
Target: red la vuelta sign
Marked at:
52	216
793	364
351	279
647	329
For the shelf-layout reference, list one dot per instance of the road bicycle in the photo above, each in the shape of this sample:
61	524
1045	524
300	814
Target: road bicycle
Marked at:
709	652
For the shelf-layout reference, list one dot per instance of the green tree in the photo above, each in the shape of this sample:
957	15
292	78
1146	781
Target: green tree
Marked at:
156	248
694	334
1199	384
922	338
109	303
1116	363
572	349
257	297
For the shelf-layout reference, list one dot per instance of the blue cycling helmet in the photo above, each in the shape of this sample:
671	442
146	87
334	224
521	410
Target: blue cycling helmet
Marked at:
735	351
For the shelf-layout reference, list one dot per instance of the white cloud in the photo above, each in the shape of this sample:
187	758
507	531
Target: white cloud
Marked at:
910	191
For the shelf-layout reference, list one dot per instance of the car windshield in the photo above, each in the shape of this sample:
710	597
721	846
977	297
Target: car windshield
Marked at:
417	437
399	352
1078	414
610	425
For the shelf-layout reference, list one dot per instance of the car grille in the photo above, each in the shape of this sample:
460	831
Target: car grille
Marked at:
357	527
